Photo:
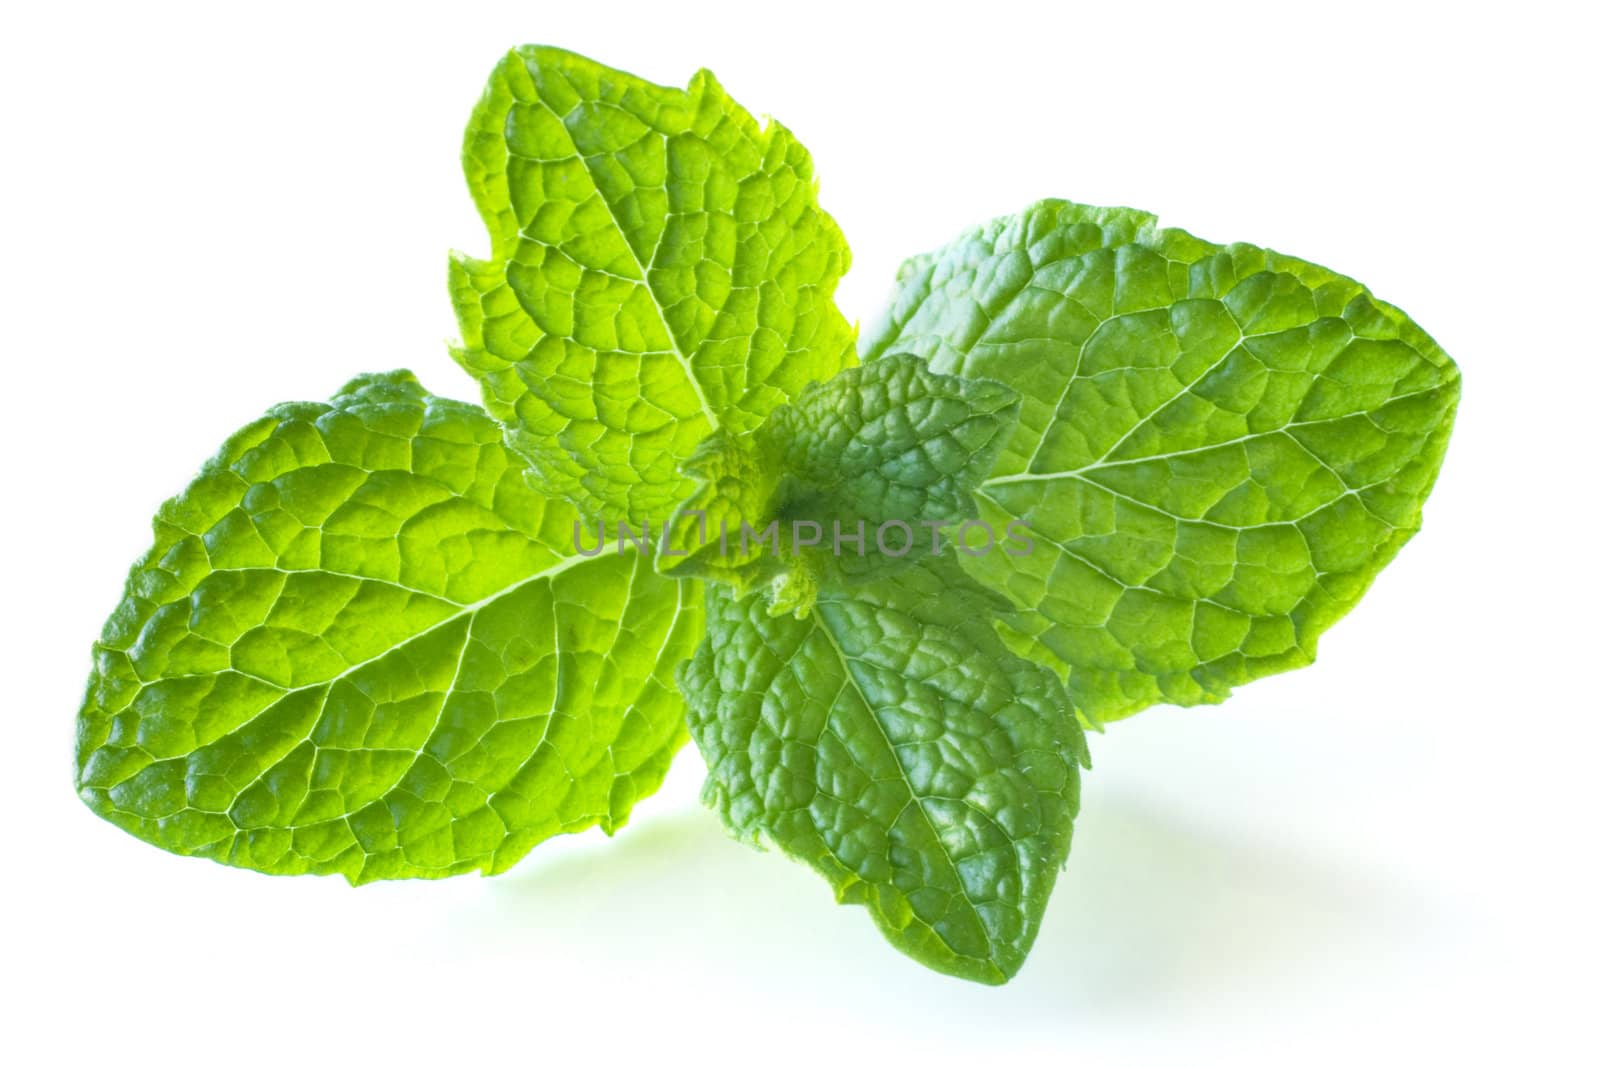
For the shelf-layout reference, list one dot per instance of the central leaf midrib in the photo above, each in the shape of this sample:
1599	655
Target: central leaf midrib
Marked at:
845	662
462	611
467	611
1104	461
644	279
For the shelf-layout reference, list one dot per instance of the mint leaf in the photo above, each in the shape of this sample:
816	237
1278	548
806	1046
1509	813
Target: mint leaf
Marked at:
659	269
361	644
879	456
891	440
720	532
894	744
1219	446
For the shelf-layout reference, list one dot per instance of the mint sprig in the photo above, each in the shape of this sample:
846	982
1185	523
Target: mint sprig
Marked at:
374	637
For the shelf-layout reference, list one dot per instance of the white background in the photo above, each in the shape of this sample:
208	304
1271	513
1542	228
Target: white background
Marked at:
1387	856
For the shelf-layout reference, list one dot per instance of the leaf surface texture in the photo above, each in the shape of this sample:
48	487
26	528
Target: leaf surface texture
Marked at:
659	269
892	742
1219	446
363	644
869	462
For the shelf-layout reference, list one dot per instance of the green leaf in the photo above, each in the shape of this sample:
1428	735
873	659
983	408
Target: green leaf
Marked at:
659	269
363	645
878	457
1219	446
894	744
891	440
719	532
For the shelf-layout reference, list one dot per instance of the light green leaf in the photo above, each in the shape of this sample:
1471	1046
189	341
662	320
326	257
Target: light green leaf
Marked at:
659	269
1219	446
875	459
894	744
719	533
363	645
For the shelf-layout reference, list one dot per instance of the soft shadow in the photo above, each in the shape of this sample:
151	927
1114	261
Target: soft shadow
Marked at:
675	882
1150	909
1153	906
